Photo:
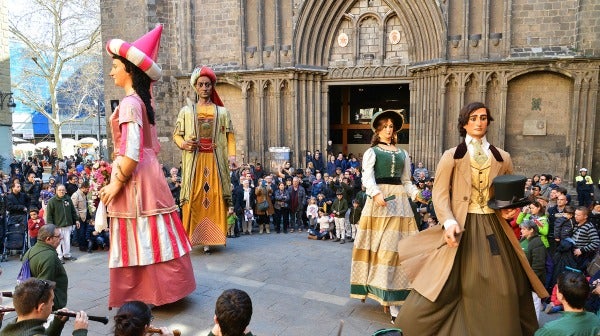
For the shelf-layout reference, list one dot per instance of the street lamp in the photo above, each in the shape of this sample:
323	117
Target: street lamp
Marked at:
97	102
10	103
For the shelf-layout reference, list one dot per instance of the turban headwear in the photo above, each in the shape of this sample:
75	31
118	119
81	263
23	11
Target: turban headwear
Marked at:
208	72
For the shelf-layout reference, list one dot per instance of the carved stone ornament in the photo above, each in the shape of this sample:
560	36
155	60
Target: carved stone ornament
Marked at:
394	37
342	40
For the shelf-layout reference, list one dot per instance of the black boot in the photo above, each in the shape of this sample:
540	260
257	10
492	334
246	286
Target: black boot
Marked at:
89	247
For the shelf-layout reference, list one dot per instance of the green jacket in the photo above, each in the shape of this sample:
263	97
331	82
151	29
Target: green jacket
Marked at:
341	206
36	327
44	264
61	212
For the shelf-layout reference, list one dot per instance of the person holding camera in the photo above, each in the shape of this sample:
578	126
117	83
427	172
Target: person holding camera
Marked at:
174	183
32	187
536	212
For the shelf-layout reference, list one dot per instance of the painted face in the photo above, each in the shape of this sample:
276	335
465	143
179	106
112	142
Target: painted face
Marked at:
387	131
121	77
477	125
204	87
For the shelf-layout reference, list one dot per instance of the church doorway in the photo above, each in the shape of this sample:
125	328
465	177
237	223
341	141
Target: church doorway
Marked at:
351	108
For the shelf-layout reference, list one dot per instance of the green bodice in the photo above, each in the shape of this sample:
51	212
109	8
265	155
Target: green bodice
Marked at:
388	163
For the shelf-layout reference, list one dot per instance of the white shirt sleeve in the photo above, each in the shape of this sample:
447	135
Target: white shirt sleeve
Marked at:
368	178
410	188
132	147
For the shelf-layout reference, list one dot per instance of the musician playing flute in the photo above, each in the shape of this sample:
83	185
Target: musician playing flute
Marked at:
33	300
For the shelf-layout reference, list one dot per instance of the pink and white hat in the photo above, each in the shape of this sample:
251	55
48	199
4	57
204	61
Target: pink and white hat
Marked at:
142	53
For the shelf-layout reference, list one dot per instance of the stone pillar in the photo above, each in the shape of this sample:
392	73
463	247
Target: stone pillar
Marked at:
245	150
262	134
574	141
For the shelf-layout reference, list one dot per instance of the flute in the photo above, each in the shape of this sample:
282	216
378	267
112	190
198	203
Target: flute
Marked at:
176	332
101	319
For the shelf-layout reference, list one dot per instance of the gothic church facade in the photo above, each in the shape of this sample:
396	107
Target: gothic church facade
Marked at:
296	73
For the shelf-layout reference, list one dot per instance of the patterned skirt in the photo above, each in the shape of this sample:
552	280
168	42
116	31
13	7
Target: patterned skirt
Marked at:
375	270
145	254
205	214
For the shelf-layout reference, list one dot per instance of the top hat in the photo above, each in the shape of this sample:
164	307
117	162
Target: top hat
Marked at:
509	192
142	53
395	115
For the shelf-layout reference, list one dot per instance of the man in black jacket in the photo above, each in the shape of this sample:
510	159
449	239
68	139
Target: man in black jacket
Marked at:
32	187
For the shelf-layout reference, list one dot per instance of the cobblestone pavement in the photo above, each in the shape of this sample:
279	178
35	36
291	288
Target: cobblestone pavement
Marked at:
298	287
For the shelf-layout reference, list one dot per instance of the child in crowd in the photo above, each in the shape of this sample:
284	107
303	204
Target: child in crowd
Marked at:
312	213
231	220
555	305
96	239
563	225
34	224
322	203
324	225
339	208
354	218
431	222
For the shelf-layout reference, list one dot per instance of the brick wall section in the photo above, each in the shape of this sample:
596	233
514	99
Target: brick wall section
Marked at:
217	33
589	31
545	24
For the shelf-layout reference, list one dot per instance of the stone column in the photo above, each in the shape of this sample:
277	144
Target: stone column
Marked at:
574	141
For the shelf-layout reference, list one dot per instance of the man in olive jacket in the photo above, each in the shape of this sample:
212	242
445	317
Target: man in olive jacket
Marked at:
45	265
62	213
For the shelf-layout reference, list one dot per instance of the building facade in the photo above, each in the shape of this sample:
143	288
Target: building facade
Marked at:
296	73
5	91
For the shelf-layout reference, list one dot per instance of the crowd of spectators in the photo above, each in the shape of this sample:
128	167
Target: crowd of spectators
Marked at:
323	198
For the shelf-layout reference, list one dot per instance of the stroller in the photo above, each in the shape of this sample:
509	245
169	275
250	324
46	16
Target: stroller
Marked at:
15	236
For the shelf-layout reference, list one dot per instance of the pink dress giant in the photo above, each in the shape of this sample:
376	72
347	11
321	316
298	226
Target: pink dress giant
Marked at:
149	256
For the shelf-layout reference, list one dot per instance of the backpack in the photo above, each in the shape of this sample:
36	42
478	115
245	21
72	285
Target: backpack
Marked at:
25	272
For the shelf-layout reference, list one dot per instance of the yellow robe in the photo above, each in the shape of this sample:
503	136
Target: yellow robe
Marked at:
205	176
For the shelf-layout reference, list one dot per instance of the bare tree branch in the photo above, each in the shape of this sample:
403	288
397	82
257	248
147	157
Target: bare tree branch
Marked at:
66	39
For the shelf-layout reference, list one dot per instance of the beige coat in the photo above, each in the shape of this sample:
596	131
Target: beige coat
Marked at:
425	256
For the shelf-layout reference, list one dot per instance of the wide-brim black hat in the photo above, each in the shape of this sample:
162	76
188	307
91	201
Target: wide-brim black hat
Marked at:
395	115
509	192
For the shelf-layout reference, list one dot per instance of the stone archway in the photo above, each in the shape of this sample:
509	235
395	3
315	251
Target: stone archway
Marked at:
318	20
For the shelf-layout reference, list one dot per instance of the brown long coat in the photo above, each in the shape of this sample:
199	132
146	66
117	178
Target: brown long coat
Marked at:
264	194
425	257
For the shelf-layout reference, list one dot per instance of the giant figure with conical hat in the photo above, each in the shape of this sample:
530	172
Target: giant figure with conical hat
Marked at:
149	247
